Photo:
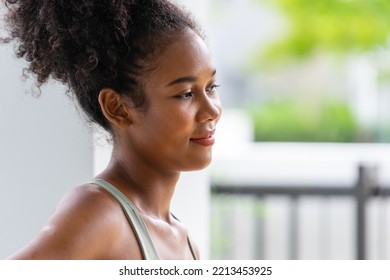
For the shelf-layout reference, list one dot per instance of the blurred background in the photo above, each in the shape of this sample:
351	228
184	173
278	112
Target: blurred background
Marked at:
305	85
301	165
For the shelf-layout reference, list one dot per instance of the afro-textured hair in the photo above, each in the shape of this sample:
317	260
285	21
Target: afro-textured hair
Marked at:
92	44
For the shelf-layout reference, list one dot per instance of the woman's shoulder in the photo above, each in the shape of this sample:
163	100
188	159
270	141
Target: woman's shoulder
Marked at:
88	200
87	224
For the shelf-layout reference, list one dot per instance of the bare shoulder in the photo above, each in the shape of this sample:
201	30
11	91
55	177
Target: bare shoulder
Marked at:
87	224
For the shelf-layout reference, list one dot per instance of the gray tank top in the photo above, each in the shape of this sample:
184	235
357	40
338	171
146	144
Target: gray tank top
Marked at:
137	223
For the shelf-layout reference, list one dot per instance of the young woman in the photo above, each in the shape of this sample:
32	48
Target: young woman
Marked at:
142	71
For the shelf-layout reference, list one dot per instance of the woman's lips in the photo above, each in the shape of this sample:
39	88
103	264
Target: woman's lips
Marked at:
208	140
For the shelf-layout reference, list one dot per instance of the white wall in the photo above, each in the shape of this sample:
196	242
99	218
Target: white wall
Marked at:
44	150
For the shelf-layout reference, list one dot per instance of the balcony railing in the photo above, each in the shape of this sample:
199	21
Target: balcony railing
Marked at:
365	187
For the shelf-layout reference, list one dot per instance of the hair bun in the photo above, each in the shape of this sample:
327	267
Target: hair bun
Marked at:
90	44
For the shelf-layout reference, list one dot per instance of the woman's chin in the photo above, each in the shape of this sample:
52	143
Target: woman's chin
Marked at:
199	165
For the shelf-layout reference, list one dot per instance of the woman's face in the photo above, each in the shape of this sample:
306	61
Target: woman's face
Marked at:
175	132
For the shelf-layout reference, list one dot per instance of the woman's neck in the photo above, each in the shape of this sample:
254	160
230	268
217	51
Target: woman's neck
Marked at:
151	191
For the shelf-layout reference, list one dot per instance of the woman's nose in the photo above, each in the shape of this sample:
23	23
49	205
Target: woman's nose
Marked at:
210	109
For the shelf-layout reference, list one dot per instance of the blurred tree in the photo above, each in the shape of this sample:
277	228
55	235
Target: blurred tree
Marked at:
301	120
348	29
338	26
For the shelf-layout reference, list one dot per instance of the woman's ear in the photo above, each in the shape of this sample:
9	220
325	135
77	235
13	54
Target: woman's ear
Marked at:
115	108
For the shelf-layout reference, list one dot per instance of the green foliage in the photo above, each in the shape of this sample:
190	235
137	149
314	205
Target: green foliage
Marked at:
299	120
337	26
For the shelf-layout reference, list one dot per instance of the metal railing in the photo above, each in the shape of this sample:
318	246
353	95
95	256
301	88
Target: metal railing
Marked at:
366	186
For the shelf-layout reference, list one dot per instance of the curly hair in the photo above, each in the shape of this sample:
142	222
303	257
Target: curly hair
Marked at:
92	44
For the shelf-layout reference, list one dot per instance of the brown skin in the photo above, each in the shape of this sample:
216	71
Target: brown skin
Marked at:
152	146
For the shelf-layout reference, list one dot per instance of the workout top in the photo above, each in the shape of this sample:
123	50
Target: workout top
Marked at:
137	223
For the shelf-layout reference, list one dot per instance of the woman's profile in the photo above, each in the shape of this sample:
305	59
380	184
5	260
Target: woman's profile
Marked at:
141	70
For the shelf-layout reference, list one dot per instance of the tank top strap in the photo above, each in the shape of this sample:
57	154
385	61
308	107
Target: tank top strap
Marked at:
188	241
133	216
191	247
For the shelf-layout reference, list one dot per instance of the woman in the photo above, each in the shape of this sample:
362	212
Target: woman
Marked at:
141	70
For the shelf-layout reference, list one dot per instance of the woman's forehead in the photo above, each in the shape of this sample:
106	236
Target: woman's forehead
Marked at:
186	56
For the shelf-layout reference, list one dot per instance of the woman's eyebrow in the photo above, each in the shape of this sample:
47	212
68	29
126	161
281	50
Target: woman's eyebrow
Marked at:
187	79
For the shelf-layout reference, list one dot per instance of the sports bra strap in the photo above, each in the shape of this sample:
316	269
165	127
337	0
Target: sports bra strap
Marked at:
188	241
137	223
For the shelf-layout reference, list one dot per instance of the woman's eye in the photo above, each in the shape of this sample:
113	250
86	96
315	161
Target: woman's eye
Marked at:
185	96
213	88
